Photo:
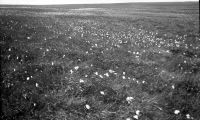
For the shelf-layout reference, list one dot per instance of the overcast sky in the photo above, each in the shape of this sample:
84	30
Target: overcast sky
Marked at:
40	2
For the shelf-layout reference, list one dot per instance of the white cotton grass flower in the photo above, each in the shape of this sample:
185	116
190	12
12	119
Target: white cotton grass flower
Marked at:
71	71
137	82
34	104
96	73
136	116
176	112
87	106
173	87
81	81
137	112
106	74
102	92
111	71
28	38
129	99
28	78
76	67
188	116
128	119
36	84
100	76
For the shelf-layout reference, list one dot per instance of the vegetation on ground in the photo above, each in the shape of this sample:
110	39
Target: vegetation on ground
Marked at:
117	63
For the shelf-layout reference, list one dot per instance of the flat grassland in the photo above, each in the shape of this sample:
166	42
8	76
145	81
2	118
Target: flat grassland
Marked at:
100	62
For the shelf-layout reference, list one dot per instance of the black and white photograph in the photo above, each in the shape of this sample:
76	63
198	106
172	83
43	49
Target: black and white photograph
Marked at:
100	60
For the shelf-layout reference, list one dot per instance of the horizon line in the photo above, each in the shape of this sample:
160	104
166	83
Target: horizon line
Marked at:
107	3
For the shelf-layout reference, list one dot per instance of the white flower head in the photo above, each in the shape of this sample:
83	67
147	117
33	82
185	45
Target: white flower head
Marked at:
124	73
135	116
71	71
81	81
129	99
106	74
28	38
128	119
176	112
102	92
87	106
188	116
36	84
96	73
100	76
173	86
76	67
111	71
34	104
137	112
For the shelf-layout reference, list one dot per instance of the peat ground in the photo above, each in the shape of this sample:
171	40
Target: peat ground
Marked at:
100	62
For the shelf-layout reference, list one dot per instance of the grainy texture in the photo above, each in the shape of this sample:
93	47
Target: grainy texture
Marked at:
100	62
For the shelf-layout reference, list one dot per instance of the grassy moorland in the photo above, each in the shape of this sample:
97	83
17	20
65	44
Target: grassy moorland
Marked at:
100	62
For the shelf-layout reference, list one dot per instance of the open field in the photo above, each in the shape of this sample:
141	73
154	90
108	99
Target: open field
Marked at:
133	61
